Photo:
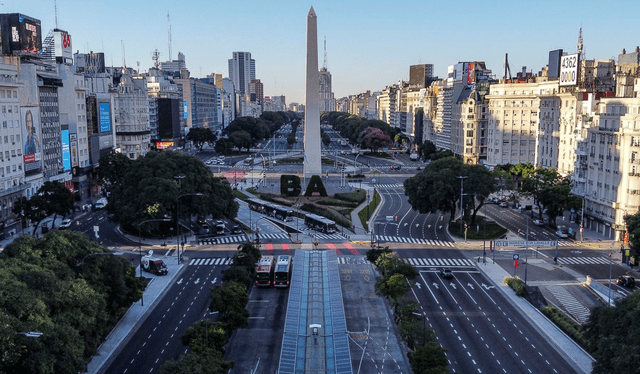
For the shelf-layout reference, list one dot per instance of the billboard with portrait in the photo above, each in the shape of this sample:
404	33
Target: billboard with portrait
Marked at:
104	117
31	135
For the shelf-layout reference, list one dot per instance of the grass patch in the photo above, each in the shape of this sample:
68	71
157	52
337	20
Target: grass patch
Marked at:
240	195
517	285
366	213
358	196
493	231
289	161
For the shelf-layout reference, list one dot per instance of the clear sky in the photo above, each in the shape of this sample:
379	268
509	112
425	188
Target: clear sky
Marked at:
370	44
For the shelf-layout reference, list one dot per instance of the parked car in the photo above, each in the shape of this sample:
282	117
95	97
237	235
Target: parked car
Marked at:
446	273
626	281
504	204
66	223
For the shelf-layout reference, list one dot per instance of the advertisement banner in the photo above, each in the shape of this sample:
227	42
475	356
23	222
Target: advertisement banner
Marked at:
569	70
66	152
185	109
62	41
164	145
104	116
32	151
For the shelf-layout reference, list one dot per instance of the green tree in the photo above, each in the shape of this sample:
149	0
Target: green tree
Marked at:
551	190
233	297
224	146
204	335
428	359
209	362
633	228
113	167
200	135
427	149
291	139
52	198
149	190
374	139
394	287
241	139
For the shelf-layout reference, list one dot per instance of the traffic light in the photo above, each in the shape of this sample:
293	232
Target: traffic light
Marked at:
396	218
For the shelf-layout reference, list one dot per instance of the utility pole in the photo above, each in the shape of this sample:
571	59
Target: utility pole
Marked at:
462	178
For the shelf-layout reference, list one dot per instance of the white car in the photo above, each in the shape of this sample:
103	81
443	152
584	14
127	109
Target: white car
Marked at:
562	234
66	223
221	158
538	222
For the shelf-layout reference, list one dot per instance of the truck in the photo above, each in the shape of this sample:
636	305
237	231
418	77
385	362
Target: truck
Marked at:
154	265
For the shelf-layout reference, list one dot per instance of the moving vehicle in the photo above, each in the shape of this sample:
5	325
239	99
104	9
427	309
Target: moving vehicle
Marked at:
236	229
265	271
248	161
271	209
220	227
538	222
101	203
282	277
66	223
562	234
446	273
154	265
626	281
319	223
395	167
343	142
413	157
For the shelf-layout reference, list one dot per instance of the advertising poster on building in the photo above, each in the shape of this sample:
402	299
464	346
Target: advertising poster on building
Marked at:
66	152
31	134
73	141
185	109
104	116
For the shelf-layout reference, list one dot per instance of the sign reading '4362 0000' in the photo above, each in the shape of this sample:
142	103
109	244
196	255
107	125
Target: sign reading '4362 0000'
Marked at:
569	70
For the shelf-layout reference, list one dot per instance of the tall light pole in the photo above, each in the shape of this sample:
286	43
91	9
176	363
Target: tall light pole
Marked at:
178	219
140	247
462	178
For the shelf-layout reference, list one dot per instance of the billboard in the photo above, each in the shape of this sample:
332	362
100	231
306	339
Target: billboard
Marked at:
62	42
471	73
185	109
104	117
569	70
73	141
554	64
164	145
66	152
20	34
32	147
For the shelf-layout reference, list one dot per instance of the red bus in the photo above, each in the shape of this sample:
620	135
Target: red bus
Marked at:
283	271
265	271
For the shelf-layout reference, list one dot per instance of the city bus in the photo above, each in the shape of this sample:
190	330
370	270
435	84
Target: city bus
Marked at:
265	271
283	271
271	209
319	223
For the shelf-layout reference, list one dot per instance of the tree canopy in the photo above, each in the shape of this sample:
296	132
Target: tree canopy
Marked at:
52	198
149	190
66	287
551	190
199	136
351	127
112	168
373	138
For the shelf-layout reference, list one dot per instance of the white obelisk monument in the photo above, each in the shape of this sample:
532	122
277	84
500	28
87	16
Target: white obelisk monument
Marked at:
312	154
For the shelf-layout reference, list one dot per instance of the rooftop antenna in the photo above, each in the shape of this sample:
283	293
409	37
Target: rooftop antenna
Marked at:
324	66
55	7
124	60
580	44
169	21
138	63
506	66
155	56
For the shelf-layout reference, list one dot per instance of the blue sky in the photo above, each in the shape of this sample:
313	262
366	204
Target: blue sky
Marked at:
370	44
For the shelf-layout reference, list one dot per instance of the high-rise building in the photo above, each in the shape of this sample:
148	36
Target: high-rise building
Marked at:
242	70
327	101
420	76
131	115
256	91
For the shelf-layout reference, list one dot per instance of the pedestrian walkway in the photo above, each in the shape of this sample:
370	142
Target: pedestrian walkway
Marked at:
378	185
446	262
570	303
211	261
584	260
401	239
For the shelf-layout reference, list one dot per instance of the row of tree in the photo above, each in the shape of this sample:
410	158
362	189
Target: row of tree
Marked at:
51	199
206	340
150	186
66	287
245	132
426	356
372	134
438	187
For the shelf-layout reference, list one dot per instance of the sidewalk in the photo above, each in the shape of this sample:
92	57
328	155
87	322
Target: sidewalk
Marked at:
134	317
577	356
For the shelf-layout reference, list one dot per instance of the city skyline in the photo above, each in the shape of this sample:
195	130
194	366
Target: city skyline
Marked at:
370	45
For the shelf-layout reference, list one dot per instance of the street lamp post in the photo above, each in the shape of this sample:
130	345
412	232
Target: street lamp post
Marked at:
140	246
462	178
178	219
424	326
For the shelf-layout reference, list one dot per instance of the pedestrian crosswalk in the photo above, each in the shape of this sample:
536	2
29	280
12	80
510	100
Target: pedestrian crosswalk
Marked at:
211	261
401	239
583	260
379	185
240	239
320	235
573	306
448	262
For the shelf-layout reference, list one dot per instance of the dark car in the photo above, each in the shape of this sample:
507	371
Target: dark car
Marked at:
395	167
446	273
626	281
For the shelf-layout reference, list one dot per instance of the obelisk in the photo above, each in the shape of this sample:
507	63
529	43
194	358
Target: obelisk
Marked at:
312	154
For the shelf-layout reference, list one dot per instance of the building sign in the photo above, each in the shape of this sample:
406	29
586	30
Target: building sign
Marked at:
185	109
63	50
569	70
104	116
164	145
66	152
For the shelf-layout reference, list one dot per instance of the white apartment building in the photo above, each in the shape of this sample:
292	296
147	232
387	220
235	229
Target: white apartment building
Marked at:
131	116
